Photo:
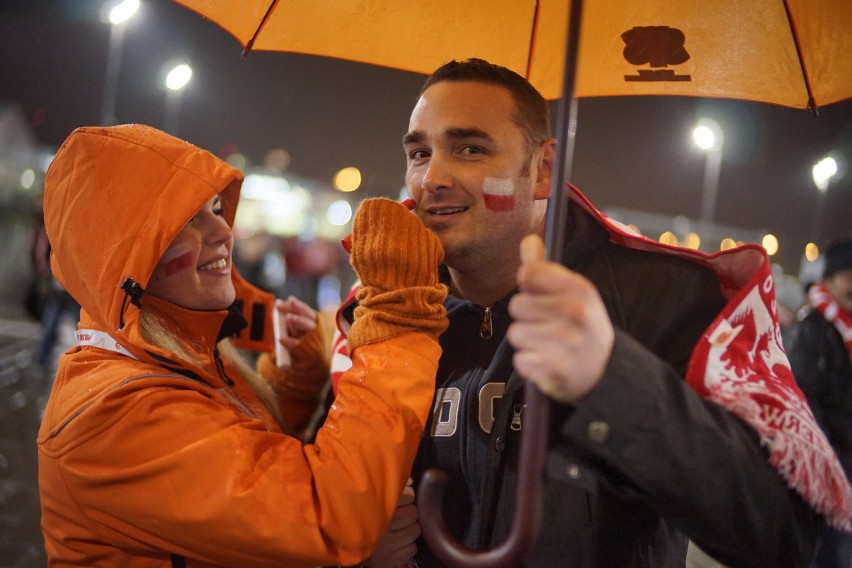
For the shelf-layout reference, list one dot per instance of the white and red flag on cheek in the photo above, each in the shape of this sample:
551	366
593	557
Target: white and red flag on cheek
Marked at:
499	194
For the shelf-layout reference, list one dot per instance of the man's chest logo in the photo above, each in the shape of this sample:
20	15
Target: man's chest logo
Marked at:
445	412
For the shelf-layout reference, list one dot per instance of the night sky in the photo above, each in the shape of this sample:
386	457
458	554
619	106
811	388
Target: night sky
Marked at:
631	152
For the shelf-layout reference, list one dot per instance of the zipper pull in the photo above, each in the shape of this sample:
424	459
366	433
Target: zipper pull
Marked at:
516	418
485	328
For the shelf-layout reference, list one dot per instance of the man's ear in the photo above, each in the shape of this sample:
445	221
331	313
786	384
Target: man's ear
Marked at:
546	155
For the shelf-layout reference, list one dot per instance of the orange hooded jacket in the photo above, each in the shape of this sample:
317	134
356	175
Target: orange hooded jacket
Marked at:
147	460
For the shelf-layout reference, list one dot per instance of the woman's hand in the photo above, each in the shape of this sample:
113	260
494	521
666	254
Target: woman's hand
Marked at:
297	318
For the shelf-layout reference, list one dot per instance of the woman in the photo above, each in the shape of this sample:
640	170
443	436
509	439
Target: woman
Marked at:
154	450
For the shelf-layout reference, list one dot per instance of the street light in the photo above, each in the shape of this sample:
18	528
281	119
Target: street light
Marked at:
822	173
117	15
347	179
708	136
177	77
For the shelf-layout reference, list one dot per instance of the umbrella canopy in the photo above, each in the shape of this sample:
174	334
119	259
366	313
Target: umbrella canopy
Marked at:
788	52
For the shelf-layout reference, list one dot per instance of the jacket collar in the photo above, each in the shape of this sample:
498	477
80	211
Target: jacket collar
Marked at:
199	330
584	236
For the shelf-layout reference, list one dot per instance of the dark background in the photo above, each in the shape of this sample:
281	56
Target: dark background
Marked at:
632	153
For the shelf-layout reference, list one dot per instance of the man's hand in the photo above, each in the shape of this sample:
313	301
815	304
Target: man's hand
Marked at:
561	331
398	546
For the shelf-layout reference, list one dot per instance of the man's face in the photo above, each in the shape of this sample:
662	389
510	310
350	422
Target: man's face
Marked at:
839	285
195	271
471	172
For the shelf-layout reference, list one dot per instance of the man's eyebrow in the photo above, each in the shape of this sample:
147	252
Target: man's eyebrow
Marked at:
417	137
459	133
412	138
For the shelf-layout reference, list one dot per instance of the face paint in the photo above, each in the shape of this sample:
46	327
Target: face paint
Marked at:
499	194
177	259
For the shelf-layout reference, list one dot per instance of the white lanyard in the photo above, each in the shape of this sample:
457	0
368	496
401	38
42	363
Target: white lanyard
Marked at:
101	339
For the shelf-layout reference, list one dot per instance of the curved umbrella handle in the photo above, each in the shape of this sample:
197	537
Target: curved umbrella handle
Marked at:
534	436
527	518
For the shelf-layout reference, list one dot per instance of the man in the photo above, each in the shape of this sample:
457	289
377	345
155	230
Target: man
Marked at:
820	347
638	461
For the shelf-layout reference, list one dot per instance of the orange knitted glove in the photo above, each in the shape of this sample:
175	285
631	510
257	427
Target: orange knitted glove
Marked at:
299	388
396	259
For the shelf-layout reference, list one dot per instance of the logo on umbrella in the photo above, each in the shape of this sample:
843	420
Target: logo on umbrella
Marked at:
657	46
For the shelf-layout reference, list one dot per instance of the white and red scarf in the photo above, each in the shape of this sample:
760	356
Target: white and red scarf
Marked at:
740	364
822	301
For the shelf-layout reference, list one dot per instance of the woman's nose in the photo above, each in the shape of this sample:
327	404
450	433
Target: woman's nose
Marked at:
217	230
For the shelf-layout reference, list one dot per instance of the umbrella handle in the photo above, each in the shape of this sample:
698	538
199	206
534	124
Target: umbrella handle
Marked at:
527	516
534	435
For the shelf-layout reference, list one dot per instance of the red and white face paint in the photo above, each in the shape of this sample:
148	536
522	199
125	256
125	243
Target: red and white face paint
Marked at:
177	258
469	166
195	270
499	193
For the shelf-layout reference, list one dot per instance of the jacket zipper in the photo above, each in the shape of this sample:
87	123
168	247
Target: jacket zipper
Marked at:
232	394
516	418
221	368
485	330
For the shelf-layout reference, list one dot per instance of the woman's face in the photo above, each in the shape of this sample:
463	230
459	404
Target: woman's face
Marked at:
195	271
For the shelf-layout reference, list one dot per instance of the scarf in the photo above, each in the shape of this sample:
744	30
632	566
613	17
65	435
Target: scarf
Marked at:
822	301
739	363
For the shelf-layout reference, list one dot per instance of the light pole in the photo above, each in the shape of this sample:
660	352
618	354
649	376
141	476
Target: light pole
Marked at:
708	136
822	173
177	77
118	15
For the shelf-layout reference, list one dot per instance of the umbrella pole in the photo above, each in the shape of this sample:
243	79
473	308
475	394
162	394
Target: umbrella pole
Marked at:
534	436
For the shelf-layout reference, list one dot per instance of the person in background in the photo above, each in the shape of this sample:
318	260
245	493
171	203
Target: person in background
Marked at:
819	346
790	295
53	302
663	365
156	447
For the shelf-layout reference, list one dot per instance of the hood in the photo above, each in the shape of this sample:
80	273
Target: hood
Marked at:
114	198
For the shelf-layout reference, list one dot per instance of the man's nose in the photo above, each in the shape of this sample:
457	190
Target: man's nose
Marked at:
438	174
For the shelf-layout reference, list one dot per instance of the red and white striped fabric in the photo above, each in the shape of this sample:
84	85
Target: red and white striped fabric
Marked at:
738	363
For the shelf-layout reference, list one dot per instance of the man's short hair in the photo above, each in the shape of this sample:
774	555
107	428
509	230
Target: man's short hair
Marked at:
532	115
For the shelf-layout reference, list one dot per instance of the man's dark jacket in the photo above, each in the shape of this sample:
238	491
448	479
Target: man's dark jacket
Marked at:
637	467
823	371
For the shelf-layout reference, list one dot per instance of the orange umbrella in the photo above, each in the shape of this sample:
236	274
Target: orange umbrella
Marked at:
790	52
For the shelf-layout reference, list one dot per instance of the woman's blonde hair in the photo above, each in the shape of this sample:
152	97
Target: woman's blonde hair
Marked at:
156	331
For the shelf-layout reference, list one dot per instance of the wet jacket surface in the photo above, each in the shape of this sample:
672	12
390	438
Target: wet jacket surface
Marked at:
146	460
642	463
